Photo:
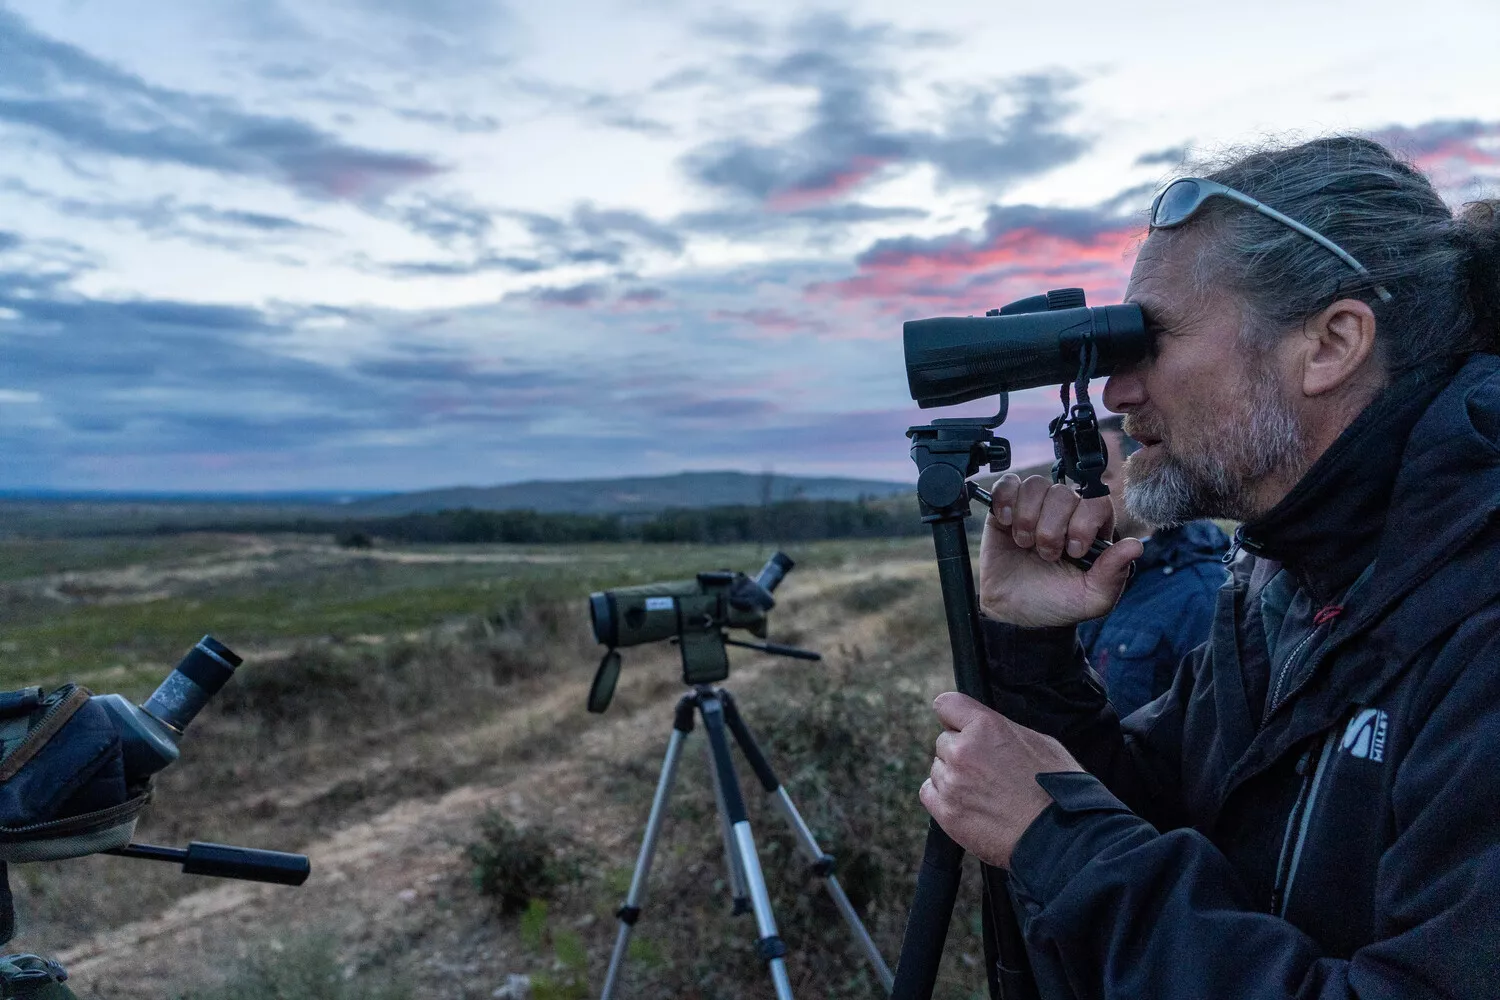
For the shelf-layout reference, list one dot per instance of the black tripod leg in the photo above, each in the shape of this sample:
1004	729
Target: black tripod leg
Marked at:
682	724
942	859
822	863
771	946
738	893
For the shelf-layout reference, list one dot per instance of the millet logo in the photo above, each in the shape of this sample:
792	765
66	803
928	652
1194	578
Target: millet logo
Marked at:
1365	737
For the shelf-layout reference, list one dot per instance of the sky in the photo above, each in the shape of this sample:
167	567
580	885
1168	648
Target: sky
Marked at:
401	244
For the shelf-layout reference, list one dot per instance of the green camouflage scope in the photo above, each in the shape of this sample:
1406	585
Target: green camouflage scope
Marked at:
694	613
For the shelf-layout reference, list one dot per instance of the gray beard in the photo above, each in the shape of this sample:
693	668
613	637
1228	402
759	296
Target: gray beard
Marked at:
1264	437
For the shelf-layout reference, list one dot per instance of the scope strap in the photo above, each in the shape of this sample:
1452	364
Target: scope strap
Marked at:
1076	442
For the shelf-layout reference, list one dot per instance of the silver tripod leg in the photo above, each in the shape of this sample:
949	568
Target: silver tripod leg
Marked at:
760	901
772	948
731	853
821	863
631	911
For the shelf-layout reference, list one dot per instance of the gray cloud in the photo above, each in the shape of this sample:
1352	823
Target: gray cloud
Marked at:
457	122
993	135
612	110
482	264
90	106
207	225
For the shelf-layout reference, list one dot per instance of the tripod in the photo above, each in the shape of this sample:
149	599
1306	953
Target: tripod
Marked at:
947	452
747	883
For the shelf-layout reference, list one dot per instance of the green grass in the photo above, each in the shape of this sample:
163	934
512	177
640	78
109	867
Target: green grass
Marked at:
27	557
129	645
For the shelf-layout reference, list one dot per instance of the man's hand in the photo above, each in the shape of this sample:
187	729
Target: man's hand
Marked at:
1022	579
982	790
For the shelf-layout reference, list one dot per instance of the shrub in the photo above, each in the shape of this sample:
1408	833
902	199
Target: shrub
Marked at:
515	865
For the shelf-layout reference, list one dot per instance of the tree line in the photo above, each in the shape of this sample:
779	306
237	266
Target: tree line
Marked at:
783	521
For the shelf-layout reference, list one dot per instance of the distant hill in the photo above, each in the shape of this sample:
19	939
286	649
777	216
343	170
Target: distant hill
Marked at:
634	495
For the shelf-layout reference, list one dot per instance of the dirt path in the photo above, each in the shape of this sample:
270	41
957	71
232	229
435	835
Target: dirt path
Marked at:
398	877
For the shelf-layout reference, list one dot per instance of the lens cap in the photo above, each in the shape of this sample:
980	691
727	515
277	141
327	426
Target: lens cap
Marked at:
603	688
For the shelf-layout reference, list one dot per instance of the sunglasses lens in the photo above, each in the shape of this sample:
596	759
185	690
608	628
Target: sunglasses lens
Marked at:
1176	203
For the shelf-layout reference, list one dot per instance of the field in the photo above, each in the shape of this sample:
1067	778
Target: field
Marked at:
412	718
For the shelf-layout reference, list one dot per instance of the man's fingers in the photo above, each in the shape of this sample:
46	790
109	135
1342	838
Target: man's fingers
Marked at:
1092	519
1029	499
1059	507
939	773
1003	498
1112	569
929	797
955	711
947	743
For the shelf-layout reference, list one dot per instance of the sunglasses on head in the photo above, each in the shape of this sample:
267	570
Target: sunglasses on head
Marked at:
1182	199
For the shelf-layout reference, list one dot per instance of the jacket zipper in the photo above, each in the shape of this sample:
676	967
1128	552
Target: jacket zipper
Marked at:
1300	820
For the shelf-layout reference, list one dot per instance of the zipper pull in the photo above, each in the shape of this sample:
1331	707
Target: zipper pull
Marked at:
1304	763
1328	614
1235	544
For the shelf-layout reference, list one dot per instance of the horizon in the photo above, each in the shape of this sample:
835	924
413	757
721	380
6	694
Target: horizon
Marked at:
53	493
260	247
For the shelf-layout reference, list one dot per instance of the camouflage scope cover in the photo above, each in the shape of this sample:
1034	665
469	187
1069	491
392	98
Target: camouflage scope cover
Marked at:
33	978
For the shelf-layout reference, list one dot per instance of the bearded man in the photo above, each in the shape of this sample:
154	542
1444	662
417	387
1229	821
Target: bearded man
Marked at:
1313	808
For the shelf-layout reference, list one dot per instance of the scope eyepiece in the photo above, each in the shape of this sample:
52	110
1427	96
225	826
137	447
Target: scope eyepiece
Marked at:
1033	342
197	678
774	571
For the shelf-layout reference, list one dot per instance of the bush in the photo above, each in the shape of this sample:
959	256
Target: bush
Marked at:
515	865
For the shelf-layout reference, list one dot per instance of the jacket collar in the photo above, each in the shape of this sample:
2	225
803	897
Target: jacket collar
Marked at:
1329	527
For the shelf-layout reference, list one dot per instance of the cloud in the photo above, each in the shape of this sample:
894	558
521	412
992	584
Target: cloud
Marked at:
1020	250
86	105
207	225
1461	156
620	111
464	124
1170	157
994	135
584	294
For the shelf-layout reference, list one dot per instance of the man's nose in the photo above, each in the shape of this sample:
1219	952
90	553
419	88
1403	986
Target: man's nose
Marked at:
1125	390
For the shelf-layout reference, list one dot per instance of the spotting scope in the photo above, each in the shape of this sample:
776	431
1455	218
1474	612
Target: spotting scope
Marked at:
695	614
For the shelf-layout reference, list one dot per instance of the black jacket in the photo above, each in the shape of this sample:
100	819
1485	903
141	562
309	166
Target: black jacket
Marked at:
1163	615
1313	809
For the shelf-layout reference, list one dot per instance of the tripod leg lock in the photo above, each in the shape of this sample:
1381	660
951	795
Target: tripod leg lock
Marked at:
771	948
823	867
628	915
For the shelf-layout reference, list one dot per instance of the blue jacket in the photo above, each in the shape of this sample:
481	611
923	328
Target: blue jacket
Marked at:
1312	810
1163	615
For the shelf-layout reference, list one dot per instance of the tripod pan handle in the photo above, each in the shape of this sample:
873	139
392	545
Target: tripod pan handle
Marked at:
249	863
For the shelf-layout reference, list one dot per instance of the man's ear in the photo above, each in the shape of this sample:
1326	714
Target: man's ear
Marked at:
1338	342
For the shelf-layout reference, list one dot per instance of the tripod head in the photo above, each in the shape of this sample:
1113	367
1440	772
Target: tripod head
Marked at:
695	614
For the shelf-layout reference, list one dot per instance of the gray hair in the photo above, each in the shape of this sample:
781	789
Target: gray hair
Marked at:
1443	271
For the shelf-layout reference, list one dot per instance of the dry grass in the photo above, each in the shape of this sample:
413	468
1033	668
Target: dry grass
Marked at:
411	737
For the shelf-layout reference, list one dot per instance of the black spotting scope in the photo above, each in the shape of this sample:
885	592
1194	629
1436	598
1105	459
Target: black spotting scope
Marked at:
1036	341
